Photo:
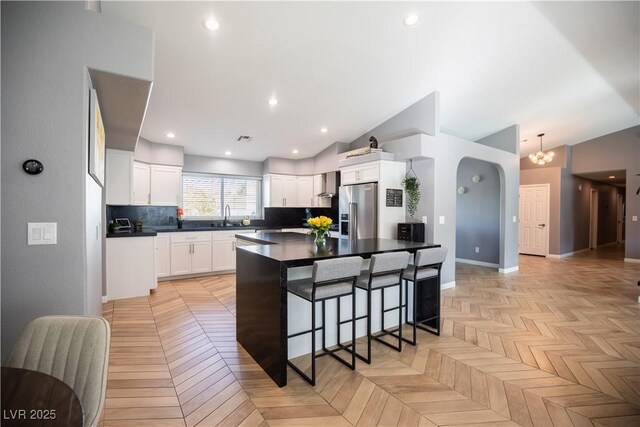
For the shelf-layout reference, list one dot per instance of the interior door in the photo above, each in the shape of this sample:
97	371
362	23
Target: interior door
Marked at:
534	220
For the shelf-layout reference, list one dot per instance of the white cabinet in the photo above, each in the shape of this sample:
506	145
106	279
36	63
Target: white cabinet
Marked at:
165	185
130	266
318	187
280	191
119	171
306	197
141	184
190	253
224	249
163	255
365	172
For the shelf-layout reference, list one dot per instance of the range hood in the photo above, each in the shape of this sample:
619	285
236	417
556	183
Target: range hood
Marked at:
331	183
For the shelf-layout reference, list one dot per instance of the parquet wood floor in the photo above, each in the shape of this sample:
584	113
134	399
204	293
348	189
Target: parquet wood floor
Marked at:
556	343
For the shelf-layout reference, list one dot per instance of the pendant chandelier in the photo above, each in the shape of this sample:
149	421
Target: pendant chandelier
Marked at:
540	158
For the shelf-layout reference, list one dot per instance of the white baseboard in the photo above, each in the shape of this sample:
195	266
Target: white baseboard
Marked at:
480	263
567	254
632	260
508	270
447	285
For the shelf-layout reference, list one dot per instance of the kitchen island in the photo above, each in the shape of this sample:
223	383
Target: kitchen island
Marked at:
265	261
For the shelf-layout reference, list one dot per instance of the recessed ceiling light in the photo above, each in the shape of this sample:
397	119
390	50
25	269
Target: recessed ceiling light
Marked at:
171	135
324	130
273	102
612	177
227	153
410	20
295	151
211	24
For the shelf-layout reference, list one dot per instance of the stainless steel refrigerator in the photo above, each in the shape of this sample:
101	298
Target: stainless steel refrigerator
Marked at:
359	211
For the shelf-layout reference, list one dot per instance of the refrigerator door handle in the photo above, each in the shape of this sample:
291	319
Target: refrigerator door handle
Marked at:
353	222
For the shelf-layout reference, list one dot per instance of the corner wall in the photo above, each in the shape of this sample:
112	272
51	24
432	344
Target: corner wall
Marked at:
47	48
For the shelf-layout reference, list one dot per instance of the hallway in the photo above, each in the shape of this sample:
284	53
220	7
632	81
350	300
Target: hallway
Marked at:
556	343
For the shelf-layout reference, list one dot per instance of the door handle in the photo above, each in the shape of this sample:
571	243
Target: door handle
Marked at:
542	225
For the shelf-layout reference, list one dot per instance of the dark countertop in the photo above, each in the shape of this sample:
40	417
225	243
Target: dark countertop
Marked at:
154	230
300	247
146	232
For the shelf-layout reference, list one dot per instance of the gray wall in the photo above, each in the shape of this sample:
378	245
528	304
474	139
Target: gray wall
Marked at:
478	212
506	139
421	117
327	159
205	164
279	165
616	151
158	154
569	208
46	50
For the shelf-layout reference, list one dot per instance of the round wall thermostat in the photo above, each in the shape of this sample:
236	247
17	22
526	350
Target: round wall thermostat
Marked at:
32	167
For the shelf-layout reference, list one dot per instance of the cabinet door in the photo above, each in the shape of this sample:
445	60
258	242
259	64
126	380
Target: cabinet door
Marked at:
276	191
349	176
306	197
141	182
201	257
119	170
369	173
163	255
180	258
165	185
224	255
290	191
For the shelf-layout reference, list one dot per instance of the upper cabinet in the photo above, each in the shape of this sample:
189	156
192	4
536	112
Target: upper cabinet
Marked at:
365	172
280	191
141	188
165	185
134	183
119	171
306	197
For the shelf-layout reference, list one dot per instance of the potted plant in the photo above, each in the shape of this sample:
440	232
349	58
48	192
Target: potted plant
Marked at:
411	185
179	213
320	227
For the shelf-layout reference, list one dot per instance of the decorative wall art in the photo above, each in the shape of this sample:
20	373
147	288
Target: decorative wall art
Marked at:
97	140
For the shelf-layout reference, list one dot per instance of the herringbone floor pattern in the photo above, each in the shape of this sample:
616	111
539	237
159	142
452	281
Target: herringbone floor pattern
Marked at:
556	343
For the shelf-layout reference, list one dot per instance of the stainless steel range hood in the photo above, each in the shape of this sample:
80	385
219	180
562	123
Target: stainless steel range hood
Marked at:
331	183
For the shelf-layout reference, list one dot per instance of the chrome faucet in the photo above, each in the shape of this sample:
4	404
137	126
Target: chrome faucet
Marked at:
227	214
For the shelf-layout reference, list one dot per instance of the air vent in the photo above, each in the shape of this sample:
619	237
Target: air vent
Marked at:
244	138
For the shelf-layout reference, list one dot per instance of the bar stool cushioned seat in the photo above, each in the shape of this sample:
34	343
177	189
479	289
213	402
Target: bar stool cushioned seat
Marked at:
331	278
427	264
73	349
385	270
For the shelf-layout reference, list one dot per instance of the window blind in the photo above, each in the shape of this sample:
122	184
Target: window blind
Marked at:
206	195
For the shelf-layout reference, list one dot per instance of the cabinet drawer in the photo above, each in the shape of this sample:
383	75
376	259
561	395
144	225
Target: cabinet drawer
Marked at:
190	237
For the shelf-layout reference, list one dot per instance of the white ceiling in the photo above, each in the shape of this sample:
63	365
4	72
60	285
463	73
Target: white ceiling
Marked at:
570	70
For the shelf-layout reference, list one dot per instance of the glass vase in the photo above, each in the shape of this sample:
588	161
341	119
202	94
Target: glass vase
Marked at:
321	237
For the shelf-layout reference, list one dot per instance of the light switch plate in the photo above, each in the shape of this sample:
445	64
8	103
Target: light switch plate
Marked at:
42	233
515	219
441	219
634	218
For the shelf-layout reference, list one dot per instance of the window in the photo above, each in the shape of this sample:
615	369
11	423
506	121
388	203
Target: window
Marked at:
205	196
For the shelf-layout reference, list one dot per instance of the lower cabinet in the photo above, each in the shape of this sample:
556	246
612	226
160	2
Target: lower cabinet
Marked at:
224	249
131	266
163	255
191	253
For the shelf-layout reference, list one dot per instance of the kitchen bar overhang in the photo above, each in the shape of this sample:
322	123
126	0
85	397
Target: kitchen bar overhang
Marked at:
264	263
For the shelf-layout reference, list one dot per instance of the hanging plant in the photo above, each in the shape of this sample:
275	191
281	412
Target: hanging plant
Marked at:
411	185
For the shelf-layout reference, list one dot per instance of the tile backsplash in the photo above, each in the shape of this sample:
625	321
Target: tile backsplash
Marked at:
165	216
149	215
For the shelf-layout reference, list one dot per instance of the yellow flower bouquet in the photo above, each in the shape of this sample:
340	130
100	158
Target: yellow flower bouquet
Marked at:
320	227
